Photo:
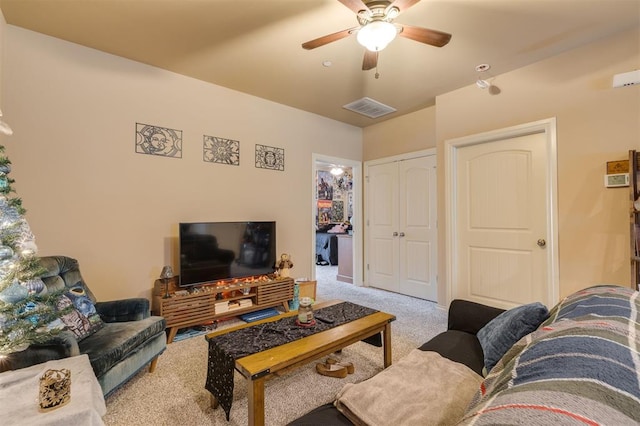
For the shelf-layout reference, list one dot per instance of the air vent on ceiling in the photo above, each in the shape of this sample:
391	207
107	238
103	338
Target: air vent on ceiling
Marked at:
370	108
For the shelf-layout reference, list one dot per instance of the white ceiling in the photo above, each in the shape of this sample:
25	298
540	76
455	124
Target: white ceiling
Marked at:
254	46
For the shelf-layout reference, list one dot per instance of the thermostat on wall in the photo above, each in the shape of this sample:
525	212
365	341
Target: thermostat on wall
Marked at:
616	180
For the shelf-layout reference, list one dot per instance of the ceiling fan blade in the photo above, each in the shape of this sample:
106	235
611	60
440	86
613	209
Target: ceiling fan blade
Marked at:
321	41
355	5
424	35
370	60
403	5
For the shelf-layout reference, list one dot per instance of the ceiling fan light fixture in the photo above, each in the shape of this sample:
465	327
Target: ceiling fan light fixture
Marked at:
376	35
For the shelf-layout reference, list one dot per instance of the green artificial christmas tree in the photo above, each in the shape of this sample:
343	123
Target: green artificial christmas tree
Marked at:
27	313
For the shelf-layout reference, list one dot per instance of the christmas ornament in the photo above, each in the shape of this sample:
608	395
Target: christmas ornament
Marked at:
14	293
5	252
33	319
16	347
5	168
5	322
35	285
9	214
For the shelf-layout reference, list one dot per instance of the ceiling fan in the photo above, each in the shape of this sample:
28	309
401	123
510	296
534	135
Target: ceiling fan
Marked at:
377	30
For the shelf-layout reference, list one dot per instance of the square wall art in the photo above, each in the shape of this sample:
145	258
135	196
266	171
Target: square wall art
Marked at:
220	150
156	140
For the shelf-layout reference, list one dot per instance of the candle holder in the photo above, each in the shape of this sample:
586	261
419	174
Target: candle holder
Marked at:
55	389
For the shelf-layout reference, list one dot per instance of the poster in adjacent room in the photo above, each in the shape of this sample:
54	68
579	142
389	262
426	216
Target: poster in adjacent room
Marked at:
324	211
325	185
337	211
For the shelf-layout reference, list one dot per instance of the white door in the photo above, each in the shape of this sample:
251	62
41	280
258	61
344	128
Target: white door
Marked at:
502	221
417	228
383	244
402	227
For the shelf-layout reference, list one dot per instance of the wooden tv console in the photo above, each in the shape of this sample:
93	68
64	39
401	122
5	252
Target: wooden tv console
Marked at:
198	305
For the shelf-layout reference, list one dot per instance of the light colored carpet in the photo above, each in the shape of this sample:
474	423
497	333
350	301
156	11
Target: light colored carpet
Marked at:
175	395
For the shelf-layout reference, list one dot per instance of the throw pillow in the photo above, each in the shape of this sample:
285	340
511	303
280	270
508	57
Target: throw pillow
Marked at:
506	329
83	320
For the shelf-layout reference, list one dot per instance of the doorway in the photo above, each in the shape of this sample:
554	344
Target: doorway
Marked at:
336	213
501	200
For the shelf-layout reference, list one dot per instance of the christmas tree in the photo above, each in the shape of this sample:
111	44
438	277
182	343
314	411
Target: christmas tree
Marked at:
28	314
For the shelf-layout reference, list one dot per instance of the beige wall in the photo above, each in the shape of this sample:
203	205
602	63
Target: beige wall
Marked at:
595	124
3	25
407	133
90	196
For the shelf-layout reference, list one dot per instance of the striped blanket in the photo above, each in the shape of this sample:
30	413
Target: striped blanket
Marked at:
582	367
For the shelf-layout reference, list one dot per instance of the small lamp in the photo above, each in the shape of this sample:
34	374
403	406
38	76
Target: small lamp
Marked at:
165	276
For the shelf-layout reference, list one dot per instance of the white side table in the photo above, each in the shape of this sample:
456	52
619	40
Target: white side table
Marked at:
19	395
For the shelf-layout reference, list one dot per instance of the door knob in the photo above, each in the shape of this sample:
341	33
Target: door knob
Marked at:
395	234
542	242
402	234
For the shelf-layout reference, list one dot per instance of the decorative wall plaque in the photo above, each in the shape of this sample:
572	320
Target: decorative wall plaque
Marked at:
220	150
269	157
156	140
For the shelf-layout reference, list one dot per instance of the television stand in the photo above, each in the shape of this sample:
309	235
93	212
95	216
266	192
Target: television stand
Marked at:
205	303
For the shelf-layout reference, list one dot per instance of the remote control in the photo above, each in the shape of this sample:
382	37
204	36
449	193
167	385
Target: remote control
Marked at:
324	319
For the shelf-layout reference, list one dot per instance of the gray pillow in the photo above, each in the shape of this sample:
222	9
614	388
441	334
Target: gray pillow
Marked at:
506	329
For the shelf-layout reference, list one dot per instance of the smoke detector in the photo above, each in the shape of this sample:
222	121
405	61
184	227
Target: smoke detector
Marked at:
481	82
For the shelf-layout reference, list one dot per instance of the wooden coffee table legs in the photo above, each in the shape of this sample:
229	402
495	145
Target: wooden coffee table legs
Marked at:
256	400
386	344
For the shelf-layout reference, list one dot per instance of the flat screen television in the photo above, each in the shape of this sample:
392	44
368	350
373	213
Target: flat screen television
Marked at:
214	251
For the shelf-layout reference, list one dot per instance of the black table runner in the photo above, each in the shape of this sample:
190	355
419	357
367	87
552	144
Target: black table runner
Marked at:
226	348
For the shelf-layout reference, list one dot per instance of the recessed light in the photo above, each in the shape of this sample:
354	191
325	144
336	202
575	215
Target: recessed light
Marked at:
327	64
483	67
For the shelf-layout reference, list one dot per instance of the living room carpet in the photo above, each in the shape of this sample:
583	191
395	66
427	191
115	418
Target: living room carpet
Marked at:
175	395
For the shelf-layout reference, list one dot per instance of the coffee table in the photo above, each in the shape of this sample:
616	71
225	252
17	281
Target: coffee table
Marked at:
259	367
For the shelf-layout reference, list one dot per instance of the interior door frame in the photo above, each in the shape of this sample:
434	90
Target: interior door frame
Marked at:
451	146
357	239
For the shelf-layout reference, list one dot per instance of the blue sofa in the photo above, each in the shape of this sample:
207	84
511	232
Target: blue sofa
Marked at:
128	338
